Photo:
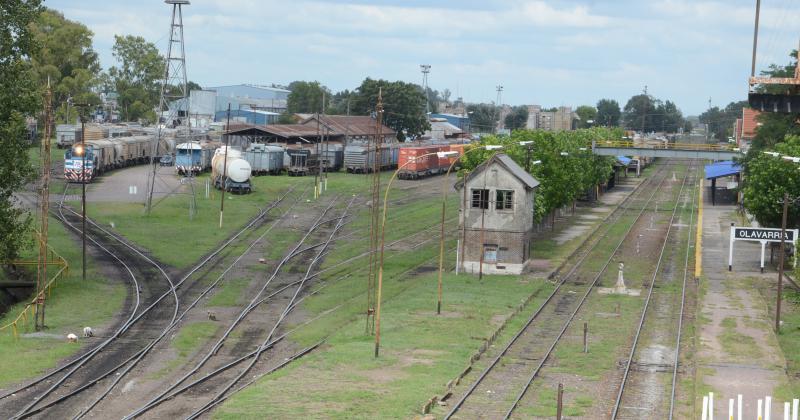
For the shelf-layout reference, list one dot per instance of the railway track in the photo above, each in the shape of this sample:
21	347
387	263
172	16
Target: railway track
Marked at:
281	286
122	253
500	387
640	393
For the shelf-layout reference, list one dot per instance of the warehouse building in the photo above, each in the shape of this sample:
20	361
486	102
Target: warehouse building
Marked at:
496	217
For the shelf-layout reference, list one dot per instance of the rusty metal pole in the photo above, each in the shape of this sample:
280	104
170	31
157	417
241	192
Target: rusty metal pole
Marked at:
586	337
560	401
780	262
223	181
755	39
83	197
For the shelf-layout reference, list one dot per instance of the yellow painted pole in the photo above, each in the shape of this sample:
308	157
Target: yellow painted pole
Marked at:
383	243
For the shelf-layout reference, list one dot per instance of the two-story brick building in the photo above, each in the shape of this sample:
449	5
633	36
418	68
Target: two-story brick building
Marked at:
496	217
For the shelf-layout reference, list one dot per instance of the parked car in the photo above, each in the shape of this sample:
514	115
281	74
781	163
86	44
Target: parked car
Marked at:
166	160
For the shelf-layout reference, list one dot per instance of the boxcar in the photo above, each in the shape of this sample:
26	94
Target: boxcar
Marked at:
265	159
332	157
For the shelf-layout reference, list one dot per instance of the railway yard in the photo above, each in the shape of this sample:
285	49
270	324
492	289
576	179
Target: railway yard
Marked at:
243	320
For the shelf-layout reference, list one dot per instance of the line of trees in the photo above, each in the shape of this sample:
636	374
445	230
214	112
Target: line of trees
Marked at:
563	178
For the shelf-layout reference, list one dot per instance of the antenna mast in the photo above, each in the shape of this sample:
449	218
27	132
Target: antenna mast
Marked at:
173	91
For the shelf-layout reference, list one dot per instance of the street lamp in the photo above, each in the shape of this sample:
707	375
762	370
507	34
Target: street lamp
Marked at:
383	242
444	208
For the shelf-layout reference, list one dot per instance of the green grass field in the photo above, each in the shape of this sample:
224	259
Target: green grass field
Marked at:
72	305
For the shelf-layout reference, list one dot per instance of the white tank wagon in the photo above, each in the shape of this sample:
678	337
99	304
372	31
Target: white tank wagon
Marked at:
265	159
230	171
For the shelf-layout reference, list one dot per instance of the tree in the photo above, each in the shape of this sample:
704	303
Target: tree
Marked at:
768	178
65	56
403	104
18	98
482	117
517	118
190	86
608	113
720	121
138	78
306	97
651	114
587	113
339	103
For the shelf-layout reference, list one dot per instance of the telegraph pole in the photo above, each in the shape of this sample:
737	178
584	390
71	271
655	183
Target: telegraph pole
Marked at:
708	124
644	114
497	107
222	178
755	39
44	209
780	262
426	68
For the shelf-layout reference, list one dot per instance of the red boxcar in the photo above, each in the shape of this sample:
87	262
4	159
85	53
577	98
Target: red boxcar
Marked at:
414	164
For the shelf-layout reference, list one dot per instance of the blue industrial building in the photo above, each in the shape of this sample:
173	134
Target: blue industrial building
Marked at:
249	116
460	121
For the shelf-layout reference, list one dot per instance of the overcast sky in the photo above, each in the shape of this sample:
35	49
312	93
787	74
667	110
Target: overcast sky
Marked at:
566	52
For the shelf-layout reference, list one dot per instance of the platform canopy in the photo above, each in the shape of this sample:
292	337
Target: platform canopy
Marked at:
722	169
624	161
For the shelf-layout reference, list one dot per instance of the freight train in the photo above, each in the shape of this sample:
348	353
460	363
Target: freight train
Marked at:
417	162
194	157
103	155
361	159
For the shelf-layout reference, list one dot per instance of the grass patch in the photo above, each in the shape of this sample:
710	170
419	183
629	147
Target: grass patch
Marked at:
420	353
192	336
229	292
73	304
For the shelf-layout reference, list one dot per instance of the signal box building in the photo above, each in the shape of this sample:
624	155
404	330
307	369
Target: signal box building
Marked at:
496	217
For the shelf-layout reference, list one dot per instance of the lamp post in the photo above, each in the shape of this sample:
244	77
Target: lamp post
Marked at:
383	242
444	208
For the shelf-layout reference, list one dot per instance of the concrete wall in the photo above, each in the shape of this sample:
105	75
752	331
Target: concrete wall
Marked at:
495	177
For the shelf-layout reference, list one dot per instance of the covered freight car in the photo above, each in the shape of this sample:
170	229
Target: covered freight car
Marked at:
265	159
361	159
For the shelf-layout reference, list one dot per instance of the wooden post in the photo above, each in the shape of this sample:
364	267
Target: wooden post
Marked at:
560	401
586	337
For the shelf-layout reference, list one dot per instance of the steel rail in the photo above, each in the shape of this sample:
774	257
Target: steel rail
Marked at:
197	267
221	394
683	304
616	215
626	372
159	398
89	355
588	292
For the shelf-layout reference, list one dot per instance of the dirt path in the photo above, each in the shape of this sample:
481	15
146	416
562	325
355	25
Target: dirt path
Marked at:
738	351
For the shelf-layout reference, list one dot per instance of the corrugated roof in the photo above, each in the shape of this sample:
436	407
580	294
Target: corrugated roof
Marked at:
508	163
721	169
352	125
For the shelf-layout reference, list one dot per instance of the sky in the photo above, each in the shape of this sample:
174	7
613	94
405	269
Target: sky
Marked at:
546	52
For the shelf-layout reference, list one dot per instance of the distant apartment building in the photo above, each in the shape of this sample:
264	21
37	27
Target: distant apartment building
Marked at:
562	119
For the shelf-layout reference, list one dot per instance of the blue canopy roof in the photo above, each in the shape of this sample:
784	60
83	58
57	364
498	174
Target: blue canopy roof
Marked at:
624	160
721	169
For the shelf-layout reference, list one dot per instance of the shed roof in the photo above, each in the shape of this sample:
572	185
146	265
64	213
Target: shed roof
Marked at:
722	169
508	163
351	125
623	160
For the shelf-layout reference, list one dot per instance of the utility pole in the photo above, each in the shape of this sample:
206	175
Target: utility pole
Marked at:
755	39
708	124
83	196
644	114
44	209
426	68
498	106
780	262
222	179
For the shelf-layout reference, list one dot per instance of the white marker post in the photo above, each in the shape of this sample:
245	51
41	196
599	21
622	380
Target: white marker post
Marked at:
795	403
730	409
763	245
786	411
730	251
739	407
767	408
760	409
705	408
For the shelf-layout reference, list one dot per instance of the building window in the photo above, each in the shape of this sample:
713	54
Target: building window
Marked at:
480	199
505	200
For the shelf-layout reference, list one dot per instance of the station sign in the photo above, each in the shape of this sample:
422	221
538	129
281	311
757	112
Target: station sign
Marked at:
762	235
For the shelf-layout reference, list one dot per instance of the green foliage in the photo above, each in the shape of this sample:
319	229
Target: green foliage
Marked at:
482	117
306	97
608	113
721	121
563	178
587	113
137	79
18	98
403	104
517	118
767	179
651	114
65	57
